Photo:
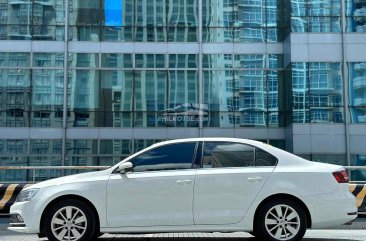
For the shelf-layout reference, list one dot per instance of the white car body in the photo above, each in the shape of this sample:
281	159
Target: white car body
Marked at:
162	201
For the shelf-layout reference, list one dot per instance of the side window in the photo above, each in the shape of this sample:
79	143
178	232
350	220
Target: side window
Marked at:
263	158
168	157
227	154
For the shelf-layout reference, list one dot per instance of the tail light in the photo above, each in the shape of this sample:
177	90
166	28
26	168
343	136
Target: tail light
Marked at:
341	176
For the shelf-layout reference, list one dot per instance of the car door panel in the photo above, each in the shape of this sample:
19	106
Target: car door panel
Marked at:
150	199
223	195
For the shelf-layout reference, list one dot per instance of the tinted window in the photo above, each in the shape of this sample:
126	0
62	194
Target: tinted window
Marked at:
168	157
227	154
263	158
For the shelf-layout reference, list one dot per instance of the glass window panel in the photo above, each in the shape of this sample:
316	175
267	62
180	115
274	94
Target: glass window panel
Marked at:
263	158
120	34
182	34
46	147
116	90
84	60
217	35
15	60
218	13
250	13
144	61
115	118
324	24
326	84
324	8
358	160
218	90
250	35
326	115
183	91
299	24
183	61
298	7
358	114
168	157
44	117
48	60
84	33
16	147
150	90
217	61
153	34
85	12
148	12
357	90
81	147
48	88
227	154
250	61
275	35
183	13
112	60
116	147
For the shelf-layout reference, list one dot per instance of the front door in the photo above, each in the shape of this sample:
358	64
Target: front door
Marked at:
158	192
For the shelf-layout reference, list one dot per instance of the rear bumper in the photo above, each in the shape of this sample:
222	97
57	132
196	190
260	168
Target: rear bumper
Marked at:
333	209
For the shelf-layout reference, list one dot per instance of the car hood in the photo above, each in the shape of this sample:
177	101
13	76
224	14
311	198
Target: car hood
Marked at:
84	177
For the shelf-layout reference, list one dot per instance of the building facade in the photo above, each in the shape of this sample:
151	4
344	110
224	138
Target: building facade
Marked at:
88	82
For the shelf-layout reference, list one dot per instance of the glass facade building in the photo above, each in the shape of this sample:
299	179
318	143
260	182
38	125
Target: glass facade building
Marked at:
88	82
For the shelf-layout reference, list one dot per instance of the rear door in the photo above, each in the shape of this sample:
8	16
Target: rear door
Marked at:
231	176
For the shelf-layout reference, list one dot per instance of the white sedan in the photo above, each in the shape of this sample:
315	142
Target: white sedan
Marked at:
191	185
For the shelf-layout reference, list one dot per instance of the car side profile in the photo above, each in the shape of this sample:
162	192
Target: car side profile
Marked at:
191	185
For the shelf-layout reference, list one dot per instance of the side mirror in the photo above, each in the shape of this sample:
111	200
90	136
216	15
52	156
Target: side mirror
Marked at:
125	167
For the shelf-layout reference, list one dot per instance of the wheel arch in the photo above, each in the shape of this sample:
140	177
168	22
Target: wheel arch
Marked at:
65	197
282	196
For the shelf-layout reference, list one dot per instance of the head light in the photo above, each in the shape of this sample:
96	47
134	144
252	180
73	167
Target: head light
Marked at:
27	195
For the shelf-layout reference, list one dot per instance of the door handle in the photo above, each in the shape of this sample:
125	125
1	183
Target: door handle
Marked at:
255	179
184	182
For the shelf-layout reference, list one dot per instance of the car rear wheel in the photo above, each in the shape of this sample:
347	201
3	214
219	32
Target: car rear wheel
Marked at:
280	220
70	220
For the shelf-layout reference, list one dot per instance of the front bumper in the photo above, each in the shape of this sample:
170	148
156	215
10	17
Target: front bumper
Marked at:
29	212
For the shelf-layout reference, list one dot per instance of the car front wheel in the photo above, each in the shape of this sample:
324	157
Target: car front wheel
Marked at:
280	220
70	220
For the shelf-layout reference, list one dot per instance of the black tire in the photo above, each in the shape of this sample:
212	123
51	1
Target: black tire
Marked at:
86	229
285	228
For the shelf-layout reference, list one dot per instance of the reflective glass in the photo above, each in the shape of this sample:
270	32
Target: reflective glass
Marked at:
85	13
116	147
300	92
217	13
217	61
83	60
48	88
15	59
46	147
84	33
16	147
217	35
165	158
250	61
182	34
112	60
81	147
83	89
153	34
324	8
226	154
183	61
357	91
150	90
250	35
153	61
182	13
48	60
116	90
358	160
120	34
142	144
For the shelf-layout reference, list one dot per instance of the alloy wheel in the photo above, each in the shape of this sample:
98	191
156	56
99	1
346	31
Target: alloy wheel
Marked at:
282	222
69	224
